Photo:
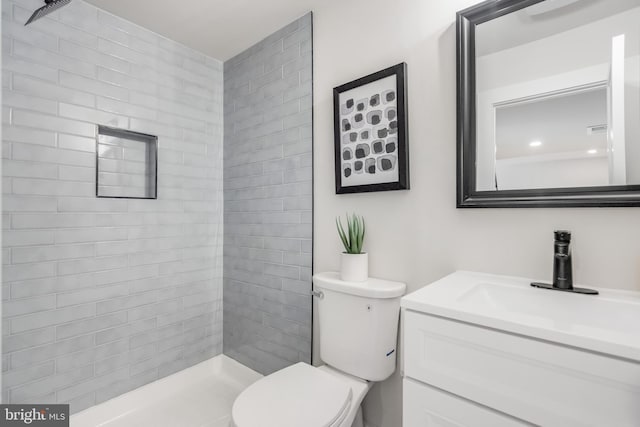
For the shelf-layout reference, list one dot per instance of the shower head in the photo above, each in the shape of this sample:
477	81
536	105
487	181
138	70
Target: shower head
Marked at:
49	7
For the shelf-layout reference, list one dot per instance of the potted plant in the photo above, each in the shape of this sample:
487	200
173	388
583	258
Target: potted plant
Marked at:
354	263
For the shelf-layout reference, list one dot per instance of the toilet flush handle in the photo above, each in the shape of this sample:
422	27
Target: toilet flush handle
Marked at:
318	294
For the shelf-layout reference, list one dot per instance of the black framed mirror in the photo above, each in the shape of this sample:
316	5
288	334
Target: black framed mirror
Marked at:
548	104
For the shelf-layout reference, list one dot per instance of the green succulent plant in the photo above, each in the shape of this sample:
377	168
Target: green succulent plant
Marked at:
352	239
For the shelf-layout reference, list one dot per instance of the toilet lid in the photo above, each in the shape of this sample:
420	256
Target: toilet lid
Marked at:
299	395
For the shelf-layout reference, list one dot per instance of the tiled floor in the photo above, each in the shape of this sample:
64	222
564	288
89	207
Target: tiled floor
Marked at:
201	396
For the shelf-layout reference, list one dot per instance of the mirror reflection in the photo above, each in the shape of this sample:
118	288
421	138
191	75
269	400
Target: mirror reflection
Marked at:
558	96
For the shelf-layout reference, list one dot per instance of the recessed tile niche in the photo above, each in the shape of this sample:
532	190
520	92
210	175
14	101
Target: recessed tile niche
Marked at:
126	164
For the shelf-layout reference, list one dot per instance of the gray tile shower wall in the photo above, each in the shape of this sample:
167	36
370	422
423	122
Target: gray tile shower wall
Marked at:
268	200
104	295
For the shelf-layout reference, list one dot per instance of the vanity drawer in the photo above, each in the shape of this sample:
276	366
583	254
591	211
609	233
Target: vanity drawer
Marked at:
537	381
425	406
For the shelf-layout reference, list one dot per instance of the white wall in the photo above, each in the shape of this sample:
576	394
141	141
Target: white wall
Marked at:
580	47
429	238
632	119
552	171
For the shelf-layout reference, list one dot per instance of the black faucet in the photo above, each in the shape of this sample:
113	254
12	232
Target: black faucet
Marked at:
563	267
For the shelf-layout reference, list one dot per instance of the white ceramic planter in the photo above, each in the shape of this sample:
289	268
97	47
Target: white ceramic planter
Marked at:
354	267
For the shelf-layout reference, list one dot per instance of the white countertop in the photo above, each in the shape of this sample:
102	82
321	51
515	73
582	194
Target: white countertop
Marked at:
608	323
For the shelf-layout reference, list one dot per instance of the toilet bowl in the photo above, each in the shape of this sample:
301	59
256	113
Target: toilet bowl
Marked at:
358	332
301	395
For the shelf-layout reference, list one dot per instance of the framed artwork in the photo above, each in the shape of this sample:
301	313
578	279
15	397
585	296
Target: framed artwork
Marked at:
371	133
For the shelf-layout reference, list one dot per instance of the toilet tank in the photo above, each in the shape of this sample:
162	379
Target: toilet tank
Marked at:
359	325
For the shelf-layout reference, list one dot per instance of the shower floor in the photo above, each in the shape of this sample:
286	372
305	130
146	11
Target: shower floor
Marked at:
200	396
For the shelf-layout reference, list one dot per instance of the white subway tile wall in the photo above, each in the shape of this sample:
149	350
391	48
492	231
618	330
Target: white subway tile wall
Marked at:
267	200
104	295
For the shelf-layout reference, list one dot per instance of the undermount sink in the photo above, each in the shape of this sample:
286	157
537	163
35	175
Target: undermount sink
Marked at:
563	311
607	323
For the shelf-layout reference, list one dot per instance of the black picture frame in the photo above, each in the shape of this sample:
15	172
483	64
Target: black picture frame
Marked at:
467	195
135	136
400	71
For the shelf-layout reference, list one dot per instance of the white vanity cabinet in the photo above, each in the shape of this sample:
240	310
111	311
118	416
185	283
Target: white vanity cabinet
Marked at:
482	350
426	406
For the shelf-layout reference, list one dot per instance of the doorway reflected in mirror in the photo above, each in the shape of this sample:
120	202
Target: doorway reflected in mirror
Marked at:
557	140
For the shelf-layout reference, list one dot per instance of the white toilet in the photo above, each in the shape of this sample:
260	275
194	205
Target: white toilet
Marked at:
358	334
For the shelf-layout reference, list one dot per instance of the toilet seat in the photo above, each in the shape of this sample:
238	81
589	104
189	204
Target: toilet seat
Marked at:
299	395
